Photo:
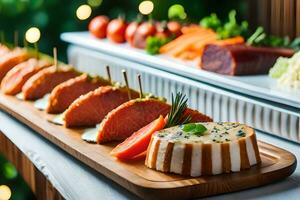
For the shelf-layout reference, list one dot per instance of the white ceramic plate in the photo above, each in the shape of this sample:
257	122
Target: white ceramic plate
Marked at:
258	86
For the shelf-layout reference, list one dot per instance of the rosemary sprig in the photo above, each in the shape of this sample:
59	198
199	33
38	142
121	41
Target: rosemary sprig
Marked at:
176	115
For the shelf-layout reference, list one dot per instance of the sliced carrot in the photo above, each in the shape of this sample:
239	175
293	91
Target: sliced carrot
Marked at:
234	40
138	142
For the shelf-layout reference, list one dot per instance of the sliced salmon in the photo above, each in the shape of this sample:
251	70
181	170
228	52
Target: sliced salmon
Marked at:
45	80
11	59
65	93
129	117
14	80
91	108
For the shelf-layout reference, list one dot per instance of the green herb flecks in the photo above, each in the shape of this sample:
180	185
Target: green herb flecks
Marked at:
194	129
176	115
241	133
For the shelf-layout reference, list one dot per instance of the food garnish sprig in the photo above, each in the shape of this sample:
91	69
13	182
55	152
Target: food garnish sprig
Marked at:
177	115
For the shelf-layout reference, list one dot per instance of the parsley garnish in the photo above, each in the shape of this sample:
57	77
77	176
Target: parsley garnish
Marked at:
194	129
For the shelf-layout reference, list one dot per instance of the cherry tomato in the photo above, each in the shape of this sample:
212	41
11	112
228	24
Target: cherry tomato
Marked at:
116	30
162	30
175	28
145	30
98	26
130	31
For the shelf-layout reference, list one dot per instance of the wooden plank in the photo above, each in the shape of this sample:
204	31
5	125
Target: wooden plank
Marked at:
38	183
146	183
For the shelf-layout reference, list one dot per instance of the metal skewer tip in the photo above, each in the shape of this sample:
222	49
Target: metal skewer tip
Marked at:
126	82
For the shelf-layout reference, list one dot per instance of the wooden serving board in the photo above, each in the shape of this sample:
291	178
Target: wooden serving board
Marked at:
135	176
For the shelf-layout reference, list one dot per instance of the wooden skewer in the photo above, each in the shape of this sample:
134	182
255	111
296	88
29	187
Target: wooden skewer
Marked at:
25	44
36	47
140	85
55	58
16	38
108	74
2	37
126	82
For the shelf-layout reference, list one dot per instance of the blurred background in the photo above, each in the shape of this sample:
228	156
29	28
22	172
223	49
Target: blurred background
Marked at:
52	17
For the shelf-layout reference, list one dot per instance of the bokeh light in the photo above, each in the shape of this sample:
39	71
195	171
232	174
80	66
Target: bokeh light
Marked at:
177	11
83	12
94	3
33	35
146	7
5	192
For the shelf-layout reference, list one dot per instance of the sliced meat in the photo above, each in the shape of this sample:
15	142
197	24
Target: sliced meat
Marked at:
129	117
14	80
91	108
11	59
241	59
197	116
65	93
45	80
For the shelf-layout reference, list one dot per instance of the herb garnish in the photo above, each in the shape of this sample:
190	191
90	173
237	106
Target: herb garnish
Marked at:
241	133
194	129
176	115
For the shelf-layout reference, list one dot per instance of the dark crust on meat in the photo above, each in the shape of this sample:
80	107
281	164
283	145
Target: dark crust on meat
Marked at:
241	59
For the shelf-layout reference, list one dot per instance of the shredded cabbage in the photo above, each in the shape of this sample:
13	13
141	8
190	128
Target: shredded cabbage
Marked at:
287	71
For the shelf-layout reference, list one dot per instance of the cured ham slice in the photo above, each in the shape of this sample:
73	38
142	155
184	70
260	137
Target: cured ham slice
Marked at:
63	95
91	108
241	59
45	80
222	148
11	59
129	117
14	80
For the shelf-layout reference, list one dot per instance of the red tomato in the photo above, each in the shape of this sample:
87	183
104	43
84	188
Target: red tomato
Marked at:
175	28
130	31
145	30
98	26
162	30
116	30
138	142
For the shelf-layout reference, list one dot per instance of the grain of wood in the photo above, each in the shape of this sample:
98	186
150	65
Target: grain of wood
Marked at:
36	180
147	183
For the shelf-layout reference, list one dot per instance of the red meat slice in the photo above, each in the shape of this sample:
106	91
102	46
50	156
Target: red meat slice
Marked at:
45	80
63	95
241	59
14	80
129	117
91	108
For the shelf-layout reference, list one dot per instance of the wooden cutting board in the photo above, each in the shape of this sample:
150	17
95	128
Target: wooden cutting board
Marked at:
135	176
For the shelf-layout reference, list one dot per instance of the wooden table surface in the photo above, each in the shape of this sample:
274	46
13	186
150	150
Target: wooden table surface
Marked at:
53	174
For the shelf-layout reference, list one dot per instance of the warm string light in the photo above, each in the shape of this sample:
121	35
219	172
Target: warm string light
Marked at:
146	7
5	192
33	35
83	12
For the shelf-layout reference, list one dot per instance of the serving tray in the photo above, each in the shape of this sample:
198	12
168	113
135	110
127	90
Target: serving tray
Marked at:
134	176
257	86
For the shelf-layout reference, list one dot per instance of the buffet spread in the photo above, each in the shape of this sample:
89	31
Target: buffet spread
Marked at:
139	139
